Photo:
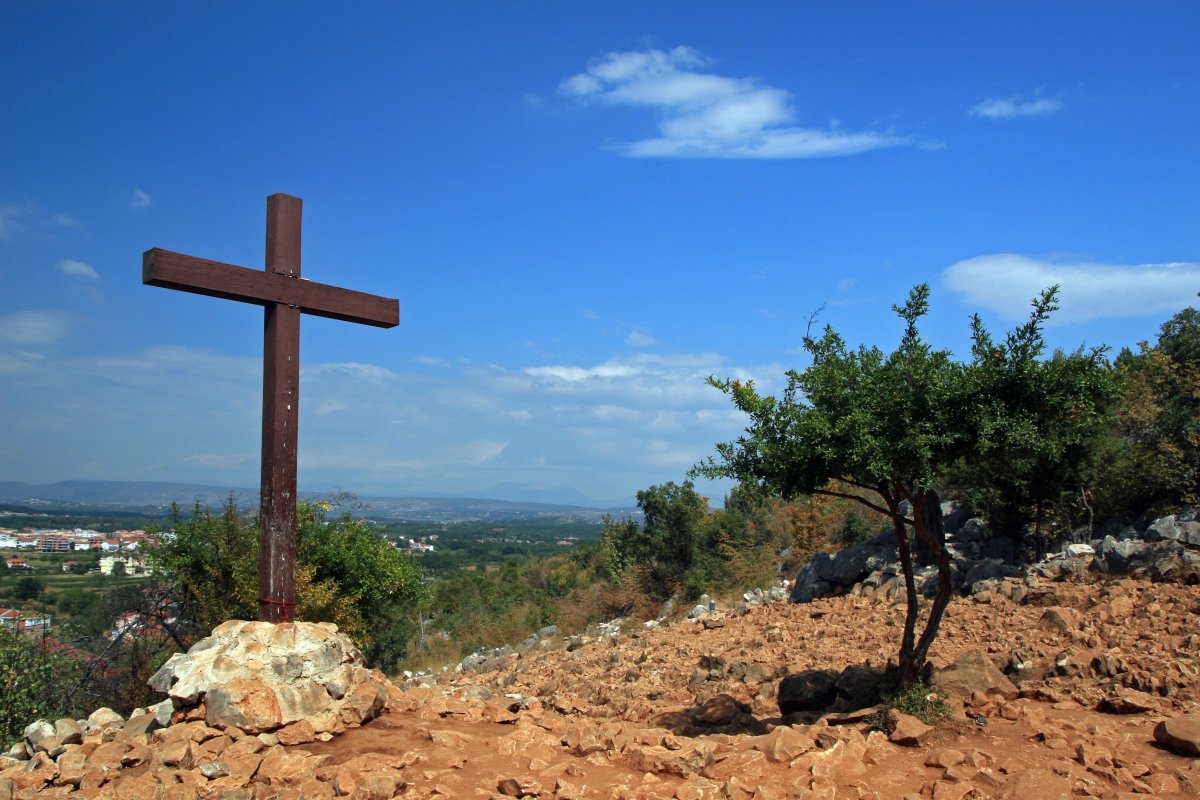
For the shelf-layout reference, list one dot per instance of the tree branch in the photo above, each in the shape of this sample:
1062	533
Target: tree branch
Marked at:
865	502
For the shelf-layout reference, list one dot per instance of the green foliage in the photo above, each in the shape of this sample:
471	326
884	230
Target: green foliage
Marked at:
1034	426
870	420
346	573
855	529
33	683
490	608
491	543
356	578
613	556
28	588
919	700
212	562
663	548
1151	458
884	429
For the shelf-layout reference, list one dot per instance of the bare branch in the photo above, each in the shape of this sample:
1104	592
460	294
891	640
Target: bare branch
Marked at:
812	319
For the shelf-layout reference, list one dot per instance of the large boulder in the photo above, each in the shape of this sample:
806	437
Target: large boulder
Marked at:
1182	527
974	672
259	676
847	567
809	584
1179	564
1119	556
1181	734
810	690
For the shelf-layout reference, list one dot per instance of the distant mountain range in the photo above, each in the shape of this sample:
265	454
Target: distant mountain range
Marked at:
145	496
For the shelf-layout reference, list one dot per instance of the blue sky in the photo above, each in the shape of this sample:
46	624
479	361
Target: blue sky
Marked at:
584	208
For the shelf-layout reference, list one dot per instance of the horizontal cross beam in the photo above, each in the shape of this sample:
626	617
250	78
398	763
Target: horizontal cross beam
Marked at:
215	279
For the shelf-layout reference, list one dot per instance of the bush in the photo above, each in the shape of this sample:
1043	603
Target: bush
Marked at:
346	573
919	700
33	683
854	530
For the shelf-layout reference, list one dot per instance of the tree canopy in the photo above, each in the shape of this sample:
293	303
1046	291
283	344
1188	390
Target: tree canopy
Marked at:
884	429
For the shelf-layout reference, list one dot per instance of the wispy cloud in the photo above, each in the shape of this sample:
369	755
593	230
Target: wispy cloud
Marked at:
139	199
1013	107
639	339
1005	283
10	219
33	327
711	116
78	269
15	217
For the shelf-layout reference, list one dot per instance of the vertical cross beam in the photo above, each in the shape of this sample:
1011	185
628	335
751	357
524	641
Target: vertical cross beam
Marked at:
284	296
281	408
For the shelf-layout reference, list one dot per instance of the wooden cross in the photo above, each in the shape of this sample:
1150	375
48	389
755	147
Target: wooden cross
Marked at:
284	296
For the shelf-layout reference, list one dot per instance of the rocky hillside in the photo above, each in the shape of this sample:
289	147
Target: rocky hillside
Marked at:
1101	680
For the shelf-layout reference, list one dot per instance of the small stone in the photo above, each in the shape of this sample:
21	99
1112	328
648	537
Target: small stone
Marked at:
1121	700
68	731
945	758
297	733
1059	620
906	730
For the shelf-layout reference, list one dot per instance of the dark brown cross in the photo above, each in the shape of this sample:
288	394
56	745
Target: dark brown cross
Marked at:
284	296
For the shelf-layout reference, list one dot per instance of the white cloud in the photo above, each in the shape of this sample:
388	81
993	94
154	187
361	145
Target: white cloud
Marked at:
78	269
139	199
1006	283
711	116
352	369
639	339
606	428
1012	107
613	412
33	327
571	374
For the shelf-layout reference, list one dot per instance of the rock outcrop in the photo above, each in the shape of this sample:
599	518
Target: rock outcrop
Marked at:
260	677
1168	549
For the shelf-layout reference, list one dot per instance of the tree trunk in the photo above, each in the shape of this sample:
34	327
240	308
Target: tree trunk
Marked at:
1091	515
908	673
927	513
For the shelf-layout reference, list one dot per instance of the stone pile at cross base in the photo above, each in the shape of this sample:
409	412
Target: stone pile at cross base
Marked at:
1077	685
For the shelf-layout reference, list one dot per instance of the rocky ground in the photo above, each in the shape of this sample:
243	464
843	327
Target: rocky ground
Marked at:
690	710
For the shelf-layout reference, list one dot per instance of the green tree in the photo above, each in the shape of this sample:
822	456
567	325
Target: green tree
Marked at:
877	429
664	546
29	588
612	553
1035	426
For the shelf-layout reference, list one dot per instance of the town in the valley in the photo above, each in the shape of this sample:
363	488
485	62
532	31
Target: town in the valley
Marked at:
39	554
